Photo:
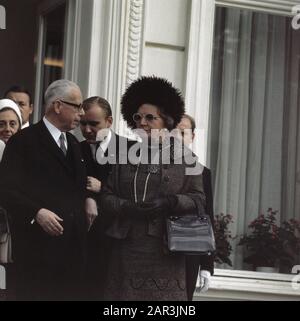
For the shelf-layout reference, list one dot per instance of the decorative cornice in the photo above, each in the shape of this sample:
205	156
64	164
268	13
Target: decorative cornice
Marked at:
134	40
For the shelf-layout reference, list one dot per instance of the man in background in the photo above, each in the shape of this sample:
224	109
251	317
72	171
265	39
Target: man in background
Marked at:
97	119
187	127
95	126
21	96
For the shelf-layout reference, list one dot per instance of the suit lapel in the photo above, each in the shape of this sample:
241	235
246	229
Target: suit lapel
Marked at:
50	145
77	158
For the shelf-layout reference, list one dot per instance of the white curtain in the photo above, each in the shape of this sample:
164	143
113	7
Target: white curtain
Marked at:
255	152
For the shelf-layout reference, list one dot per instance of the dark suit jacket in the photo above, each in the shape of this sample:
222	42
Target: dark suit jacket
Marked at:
35	174
92	167
193	261
101	171
99	245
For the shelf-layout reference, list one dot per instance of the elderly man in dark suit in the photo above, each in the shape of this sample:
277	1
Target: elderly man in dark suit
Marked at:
42	186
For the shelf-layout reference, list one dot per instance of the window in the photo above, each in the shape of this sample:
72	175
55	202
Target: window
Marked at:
254	119
51	60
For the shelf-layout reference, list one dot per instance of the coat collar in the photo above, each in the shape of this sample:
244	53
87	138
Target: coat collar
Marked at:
49	143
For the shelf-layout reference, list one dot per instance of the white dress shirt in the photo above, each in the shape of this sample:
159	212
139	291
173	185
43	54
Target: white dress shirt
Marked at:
103	145
55	132
25	125
2	146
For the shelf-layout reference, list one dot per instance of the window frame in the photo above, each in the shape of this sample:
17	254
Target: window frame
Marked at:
198	88
69	55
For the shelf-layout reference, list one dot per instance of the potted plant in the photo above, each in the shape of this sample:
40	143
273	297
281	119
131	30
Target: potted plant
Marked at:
269	245
223	238
289	234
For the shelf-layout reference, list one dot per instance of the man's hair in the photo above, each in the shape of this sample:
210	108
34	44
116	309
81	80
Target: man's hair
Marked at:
192	120
59	89
18	89
101	102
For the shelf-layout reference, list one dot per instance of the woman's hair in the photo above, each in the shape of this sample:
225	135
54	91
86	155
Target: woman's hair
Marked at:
155	91
96	100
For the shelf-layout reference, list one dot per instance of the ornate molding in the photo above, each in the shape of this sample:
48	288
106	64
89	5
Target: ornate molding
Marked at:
134	40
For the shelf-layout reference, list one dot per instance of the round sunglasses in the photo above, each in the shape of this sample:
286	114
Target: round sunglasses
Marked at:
148	117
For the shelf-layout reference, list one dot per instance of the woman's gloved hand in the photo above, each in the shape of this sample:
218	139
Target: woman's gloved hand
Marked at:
160	206
150	210
204	280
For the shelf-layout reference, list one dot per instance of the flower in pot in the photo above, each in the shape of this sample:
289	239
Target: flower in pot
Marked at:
223	238
289	234
270	245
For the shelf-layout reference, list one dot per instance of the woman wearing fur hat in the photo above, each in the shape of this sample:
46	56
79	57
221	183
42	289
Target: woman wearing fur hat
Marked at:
140	194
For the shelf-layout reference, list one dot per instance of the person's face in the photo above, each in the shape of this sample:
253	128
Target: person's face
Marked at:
92	121
22	100
148	118
9	124
185	128
69	110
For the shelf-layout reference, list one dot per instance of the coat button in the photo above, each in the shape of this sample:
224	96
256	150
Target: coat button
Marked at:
166	178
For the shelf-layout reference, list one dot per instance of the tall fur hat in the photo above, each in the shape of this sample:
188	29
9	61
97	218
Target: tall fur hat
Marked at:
155	91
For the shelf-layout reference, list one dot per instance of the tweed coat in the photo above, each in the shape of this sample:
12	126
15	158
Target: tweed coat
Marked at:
180	176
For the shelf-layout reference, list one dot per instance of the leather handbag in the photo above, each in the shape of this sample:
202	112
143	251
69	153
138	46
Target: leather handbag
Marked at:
191	233
5	238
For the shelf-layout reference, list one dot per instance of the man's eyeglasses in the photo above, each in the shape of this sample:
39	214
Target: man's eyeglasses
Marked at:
78	107
91	123
148	117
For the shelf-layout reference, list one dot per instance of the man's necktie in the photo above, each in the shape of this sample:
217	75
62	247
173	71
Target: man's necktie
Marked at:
62	144
97	145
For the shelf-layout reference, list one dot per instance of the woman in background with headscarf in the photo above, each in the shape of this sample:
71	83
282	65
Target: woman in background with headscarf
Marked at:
10	119
10	124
